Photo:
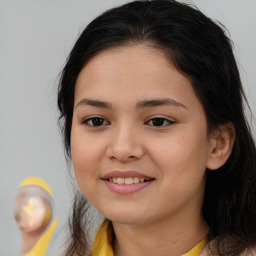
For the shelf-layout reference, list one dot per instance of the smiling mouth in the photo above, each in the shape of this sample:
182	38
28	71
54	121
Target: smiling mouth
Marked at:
125	183
128	181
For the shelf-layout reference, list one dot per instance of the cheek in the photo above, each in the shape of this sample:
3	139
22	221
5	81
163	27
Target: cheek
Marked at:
85	157
184	151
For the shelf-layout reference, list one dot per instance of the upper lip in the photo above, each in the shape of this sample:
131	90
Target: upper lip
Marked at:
125	174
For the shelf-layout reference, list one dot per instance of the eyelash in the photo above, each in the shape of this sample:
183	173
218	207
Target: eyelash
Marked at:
91	119
164	120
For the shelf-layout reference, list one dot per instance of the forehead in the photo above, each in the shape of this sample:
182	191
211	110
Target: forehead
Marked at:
129	65
133	73
136	60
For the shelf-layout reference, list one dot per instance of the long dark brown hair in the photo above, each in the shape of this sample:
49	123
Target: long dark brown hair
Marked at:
200	49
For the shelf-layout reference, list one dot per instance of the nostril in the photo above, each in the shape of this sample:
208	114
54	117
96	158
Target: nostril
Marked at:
124	151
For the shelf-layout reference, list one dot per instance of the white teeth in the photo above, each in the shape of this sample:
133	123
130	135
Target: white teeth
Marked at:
120	181
127	181
136	180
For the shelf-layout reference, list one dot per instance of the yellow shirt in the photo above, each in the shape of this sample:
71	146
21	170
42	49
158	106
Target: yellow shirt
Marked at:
103	241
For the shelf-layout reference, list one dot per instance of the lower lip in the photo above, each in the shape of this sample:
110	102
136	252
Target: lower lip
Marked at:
126	189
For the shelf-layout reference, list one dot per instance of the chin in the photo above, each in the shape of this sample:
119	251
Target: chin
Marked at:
126	218
127	213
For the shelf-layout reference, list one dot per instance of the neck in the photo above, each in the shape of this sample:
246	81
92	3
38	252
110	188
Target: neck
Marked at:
170	237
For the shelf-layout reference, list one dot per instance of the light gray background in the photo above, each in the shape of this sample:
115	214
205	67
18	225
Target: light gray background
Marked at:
35	39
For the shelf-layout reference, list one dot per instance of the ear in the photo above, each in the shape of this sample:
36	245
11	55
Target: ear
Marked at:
220	146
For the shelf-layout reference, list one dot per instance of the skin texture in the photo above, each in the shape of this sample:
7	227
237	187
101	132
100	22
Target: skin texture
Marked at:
165	217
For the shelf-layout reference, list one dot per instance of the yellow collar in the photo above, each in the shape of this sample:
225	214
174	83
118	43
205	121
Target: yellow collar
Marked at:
102	245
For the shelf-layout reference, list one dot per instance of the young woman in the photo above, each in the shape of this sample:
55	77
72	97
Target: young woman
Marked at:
152	114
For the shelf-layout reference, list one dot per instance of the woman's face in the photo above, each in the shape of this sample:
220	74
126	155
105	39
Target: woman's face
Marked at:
138	121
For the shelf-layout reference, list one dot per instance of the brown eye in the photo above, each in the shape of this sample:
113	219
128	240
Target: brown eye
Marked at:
95	121
159	122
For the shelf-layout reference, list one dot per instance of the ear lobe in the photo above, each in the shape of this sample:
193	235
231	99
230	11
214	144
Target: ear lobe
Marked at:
221	145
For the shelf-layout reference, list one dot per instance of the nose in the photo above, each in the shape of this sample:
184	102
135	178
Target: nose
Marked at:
125	144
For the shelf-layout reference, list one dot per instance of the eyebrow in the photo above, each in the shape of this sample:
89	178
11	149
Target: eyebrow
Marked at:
139	105
159	102
94	103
